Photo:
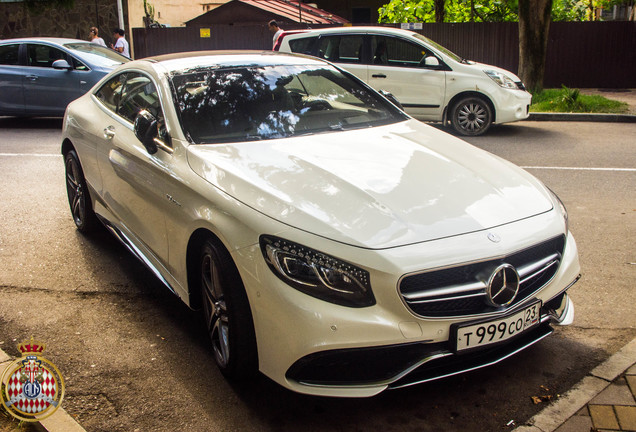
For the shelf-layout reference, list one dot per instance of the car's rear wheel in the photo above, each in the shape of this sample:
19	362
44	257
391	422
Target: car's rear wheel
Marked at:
227	313
471	116
78	196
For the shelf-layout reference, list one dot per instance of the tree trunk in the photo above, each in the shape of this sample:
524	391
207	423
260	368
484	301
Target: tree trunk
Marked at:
440	12
534	26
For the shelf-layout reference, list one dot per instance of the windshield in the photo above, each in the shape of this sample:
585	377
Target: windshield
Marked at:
96	54
265	102
439	47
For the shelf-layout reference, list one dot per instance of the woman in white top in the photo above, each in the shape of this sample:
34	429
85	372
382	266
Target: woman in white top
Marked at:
95	38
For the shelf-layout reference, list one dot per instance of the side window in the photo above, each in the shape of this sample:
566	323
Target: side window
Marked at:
303	45
139	94
9	54
110	93
43	55
341	49
396	52
78	65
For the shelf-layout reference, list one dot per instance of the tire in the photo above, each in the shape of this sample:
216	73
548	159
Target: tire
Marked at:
471	116
226	313
79	199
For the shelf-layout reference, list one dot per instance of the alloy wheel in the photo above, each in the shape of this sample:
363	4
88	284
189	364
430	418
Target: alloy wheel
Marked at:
75	191
215	307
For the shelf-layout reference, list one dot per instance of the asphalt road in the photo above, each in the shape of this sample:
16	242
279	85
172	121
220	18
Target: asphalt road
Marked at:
135	359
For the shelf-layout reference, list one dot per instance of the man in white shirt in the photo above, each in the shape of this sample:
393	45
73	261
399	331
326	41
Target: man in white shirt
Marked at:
273	27
121	44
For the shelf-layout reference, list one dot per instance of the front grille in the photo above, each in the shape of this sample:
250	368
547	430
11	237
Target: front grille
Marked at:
461	290
520	85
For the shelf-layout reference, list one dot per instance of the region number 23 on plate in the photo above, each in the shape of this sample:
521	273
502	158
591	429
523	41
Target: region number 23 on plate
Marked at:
485	333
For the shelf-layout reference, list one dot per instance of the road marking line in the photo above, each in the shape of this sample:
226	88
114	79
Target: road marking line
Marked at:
580	168
30	154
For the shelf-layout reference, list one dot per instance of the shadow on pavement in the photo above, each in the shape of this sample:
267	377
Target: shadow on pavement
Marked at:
31	123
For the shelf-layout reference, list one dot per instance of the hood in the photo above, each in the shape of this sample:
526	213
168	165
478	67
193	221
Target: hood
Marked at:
375	188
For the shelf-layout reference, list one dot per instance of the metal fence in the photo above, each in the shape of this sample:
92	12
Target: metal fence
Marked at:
583	55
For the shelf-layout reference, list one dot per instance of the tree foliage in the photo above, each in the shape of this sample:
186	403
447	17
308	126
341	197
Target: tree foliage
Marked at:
429	11
398	11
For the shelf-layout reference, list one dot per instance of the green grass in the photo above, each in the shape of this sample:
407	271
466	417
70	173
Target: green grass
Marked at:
571	100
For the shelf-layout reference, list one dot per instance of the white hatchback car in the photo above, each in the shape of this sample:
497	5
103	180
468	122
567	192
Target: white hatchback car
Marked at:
333	243
431	82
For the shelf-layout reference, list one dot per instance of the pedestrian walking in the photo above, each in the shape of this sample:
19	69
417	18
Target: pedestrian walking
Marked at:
274	28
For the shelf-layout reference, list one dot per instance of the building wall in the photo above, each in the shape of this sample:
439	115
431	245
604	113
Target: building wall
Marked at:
171	13
17	21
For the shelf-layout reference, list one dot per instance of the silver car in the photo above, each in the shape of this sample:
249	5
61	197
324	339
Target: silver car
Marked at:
41	76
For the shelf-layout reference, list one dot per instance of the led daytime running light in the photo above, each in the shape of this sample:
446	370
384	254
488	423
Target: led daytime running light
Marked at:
317	274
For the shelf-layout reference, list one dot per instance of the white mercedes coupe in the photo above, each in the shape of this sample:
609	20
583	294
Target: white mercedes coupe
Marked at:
332	242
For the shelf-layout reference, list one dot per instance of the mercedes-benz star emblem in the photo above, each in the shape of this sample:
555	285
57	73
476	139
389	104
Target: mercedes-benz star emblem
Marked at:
503	286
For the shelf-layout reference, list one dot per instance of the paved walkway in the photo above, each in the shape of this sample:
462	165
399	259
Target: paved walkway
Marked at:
623	95
604	401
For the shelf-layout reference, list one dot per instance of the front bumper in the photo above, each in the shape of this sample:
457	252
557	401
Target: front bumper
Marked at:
299	336
512	105
369	371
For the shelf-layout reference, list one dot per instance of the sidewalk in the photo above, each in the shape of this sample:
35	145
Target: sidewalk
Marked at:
623	95
603	401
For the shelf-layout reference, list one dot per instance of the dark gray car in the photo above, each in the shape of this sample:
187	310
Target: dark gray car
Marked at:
41	76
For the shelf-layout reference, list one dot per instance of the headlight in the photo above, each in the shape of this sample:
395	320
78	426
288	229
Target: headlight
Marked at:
563	210
501	79
317	274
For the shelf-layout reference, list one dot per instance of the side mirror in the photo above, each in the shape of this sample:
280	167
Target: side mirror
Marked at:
431	61
146	130
61	64
392	99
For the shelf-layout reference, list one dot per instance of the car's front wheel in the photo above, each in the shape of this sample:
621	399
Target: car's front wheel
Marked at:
227	313
78	196
471	116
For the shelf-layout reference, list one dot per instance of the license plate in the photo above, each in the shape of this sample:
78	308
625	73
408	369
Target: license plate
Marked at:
497	330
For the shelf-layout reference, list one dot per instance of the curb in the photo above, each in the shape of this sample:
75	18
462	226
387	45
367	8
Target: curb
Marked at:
553	416
583	117
59	421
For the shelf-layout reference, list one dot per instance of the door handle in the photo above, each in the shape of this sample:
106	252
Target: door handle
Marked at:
378	76
109	132
32	77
